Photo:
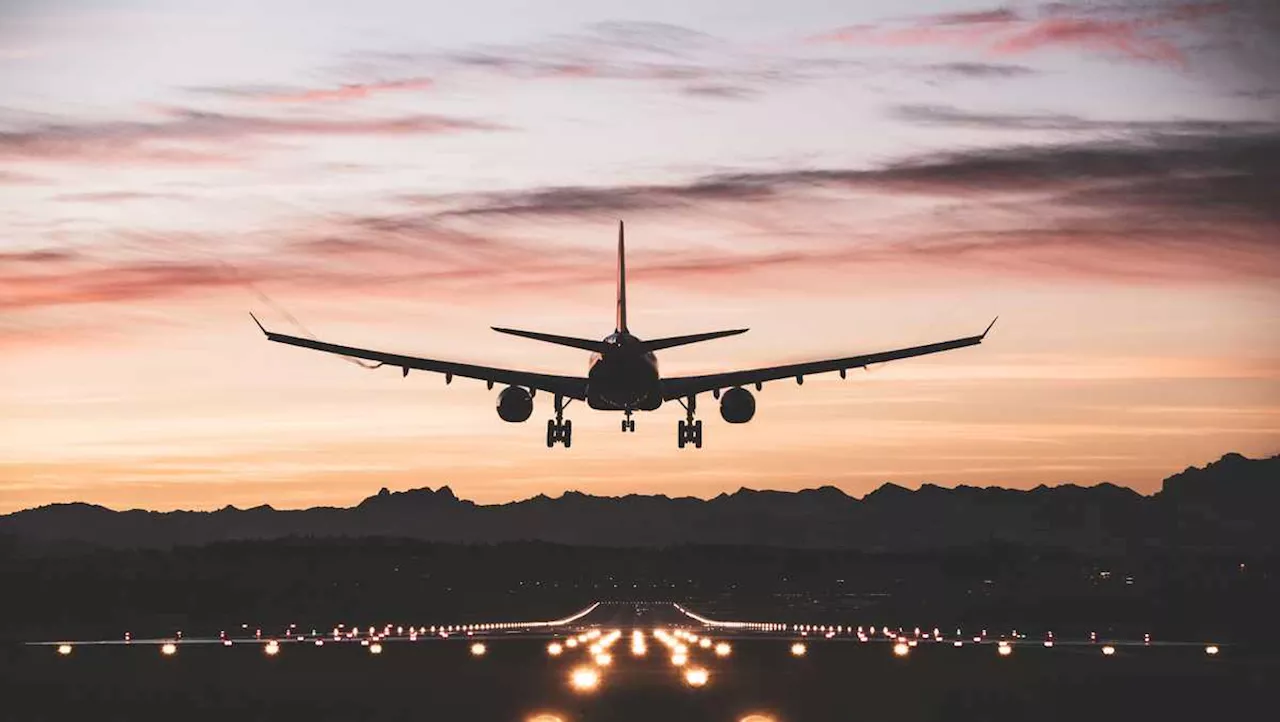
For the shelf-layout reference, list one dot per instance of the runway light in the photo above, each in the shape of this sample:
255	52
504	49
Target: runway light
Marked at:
723	649
169	649
696	677
1048	642
545	717
901	649
272	648
554	649
1211	650
1108	650
571	642
756	718
798	649
604	659
957	643
375	648
584	679
319	642
226	642
64	649
705	643
477	649
1004	649
678	659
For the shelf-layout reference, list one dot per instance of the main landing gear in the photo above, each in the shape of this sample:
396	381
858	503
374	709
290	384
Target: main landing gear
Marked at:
689	431
559	429
628	424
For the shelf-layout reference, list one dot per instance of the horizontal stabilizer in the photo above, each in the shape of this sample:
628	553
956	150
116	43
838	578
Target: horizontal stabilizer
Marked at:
658	344
585	344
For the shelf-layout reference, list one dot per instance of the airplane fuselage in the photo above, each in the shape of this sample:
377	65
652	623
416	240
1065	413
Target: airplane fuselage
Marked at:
624	376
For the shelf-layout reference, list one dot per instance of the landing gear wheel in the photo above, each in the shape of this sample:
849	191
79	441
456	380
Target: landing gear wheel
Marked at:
697	434
560	430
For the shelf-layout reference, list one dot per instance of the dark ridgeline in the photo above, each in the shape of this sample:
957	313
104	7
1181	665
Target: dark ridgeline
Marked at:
1229	504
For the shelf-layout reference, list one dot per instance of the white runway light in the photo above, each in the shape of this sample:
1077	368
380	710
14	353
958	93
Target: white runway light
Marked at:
696	677
584	679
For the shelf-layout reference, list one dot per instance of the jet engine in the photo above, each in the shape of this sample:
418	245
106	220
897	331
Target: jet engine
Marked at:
737	405
515	404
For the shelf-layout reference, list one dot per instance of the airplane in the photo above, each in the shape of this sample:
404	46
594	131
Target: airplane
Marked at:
623	373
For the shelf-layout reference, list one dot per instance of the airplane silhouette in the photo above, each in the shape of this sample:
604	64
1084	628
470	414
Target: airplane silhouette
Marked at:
623	373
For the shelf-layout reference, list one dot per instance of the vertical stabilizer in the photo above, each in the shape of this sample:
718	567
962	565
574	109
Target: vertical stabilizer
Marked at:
622	281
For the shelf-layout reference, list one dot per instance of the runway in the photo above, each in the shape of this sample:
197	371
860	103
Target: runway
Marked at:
631	661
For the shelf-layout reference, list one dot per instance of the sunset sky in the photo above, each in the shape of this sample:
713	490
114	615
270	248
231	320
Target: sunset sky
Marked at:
841	177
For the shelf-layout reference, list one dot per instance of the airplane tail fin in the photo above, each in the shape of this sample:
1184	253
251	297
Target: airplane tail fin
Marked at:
585	344
658	344
622	281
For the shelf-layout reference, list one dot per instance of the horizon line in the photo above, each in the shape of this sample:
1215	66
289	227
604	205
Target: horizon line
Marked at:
386	491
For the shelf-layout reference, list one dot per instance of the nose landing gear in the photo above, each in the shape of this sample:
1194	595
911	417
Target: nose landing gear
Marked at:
689	431
628	424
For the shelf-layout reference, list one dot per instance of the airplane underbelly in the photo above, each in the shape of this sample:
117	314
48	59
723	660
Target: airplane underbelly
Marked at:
617	385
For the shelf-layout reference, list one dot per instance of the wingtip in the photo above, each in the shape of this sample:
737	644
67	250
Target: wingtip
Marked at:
989	326
260	327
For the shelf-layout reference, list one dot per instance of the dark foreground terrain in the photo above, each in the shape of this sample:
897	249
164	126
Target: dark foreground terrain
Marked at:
1196	564
95	593
516	679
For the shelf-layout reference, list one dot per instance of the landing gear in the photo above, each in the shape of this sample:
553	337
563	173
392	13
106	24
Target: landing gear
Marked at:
628	424
559	429
689	430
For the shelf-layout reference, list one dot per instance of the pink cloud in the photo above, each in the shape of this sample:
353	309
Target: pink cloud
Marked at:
1004	31
354	91
193	137
1128	38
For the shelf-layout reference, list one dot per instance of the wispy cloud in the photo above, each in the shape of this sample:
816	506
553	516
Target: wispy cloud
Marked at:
337	93
980	70
667	57
1183	207
710	90
1137	32
190	136
13	178
118	196
945	115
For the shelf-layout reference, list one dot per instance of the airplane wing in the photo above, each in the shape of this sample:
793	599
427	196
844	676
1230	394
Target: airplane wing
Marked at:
572	387
683	386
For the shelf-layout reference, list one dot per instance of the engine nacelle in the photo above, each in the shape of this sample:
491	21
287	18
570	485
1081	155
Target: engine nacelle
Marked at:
515	404
737	405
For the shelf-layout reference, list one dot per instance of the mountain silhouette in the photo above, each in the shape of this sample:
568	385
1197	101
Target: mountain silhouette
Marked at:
1228	504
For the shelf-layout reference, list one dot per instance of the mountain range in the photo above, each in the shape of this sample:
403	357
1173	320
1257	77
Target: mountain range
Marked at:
1229	504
